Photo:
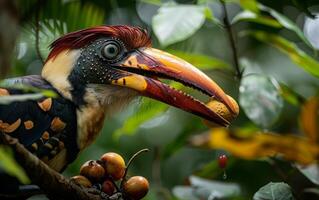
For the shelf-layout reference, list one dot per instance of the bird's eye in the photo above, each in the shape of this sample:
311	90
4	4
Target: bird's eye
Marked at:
111	51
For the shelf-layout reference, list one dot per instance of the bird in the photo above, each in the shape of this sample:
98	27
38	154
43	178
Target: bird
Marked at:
95	72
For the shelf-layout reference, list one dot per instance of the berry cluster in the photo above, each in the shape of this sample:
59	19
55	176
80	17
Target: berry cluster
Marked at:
108	175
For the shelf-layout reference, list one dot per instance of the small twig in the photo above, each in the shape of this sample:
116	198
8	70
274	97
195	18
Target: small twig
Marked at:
231	40
130	162
133	158
37	30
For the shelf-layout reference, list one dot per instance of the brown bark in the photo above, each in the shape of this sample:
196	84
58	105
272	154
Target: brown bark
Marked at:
53	184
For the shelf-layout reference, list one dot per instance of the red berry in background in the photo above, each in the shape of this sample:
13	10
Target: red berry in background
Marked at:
222	161
92	170
136	187
114	165
108	187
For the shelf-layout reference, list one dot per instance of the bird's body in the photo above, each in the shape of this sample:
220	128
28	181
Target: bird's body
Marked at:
45	126
95	72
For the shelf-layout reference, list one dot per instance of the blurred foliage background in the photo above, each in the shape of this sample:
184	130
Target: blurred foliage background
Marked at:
271	69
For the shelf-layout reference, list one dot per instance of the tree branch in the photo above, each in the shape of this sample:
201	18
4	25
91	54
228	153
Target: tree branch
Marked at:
51	182
231	40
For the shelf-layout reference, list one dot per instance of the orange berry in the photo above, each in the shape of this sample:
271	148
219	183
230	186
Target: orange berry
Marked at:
92	170
108	187
114	165
136	187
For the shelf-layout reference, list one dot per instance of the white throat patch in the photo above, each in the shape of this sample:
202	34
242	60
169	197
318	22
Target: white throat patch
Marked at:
57	69
102	101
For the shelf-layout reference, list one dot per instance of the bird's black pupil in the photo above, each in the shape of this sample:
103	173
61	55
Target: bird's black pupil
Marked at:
111	50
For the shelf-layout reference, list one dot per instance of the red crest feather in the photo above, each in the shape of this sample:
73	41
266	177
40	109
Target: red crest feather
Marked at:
133	37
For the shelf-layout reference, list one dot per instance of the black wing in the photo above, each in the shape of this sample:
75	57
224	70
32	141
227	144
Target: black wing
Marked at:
45	126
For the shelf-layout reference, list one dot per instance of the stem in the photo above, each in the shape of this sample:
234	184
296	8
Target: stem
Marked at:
37	30
231	40
156	167
130	162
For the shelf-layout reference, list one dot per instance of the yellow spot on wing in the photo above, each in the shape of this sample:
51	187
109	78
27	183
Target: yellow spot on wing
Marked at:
57	124
9	128
4	92
46	104
45	135
35	146
48	145
28	124
61	145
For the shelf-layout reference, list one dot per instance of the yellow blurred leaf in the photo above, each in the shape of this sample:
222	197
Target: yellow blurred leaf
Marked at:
259	145
309	119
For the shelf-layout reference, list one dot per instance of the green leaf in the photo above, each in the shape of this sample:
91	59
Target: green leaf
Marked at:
250	5
296	55
31	93
174	23
8	163
267	110
153	2
253	17
202	62
286	22
274	191
311	172
290	95
148	110
210	17
206	189
22	97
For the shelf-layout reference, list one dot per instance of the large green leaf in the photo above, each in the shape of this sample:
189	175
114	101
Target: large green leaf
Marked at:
279	21
286	22
174	23
296	55
202	62
267	110
75	14
57	18
8	164
274	191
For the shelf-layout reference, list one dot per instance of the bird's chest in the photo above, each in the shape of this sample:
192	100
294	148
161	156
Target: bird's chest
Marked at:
90	122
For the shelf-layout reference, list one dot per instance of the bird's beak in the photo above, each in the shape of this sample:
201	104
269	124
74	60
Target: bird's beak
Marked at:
144	66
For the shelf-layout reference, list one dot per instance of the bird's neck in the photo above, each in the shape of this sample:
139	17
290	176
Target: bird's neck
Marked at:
102	101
